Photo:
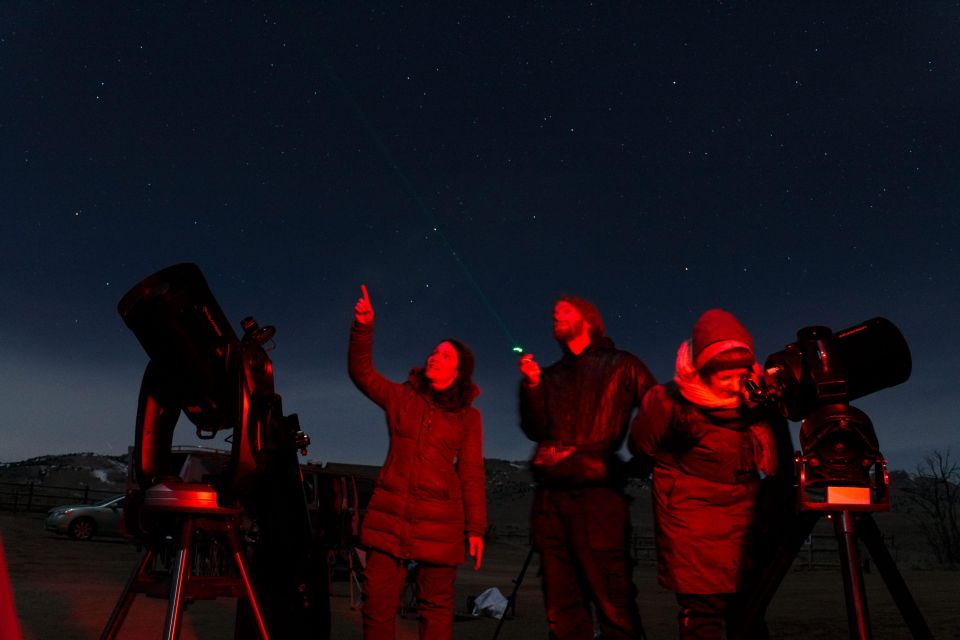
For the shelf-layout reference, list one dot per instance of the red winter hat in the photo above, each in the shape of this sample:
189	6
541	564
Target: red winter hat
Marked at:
716	332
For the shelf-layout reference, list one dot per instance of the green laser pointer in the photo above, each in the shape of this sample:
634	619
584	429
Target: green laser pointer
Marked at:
518	349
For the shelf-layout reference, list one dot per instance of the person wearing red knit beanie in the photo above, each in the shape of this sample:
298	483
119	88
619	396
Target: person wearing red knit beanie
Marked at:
717	458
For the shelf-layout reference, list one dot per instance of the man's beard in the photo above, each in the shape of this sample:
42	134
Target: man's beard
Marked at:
566	331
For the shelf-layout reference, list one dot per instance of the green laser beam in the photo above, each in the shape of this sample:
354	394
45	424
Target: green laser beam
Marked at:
421	205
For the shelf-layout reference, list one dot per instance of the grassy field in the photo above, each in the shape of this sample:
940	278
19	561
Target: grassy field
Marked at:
66	590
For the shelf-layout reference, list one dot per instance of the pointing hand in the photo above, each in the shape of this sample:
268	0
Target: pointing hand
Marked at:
363	310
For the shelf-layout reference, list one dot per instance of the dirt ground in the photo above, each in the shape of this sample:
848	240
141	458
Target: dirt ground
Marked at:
66	590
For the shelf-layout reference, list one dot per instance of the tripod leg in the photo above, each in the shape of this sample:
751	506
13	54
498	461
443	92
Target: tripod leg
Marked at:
858	618
512	600
242	569
126	598
356	589
870	534
178	582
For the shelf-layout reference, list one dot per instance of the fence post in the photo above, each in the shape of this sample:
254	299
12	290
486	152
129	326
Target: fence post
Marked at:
29	495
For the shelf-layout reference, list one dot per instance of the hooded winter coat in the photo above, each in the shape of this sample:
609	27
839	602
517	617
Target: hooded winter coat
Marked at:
710	503
431	491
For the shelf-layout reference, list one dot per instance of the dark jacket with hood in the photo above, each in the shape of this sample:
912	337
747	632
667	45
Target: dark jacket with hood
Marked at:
431	491
583	403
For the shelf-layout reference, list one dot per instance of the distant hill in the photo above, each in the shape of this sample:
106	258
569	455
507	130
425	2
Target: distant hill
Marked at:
510	490
506	480
509	484
108	473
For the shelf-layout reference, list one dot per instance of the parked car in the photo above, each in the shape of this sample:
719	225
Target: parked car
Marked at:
83	521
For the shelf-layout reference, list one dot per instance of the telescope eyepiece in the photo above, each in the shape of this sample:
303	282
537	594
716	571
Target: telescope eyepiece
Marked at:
253	331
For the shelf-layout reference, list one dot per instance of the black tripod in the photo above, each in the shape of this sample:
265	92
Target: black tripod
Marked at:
815	379
830	484
849	527
512	598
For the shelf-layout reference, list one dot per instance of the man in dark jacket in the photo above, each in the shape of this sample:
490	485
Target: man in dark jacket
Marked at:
577	410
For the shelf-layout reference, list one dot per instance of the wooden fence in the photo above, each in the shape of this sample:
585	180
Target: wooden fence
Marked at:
819	551
39	497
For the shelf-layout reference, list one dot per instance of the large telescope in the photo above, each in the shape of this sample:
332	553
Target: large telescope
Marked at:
200	367
841	471
814	380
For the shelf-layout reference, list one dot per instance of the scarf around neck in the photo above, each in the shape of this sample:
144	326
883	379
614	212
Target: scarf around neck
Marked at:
691	385
693	388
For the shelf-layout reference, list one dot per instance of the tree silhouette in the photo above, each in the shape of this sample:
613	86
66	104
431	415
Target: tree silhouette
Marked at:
933	499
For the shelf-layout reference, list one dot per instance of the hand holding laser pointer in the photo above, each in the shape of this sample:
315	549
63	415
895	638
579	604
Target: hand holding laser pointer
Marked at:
363	310
529	369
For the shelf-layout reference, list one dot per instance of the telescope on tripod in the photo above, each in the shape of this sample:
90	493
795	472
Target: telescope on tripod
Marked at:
841	471
200	368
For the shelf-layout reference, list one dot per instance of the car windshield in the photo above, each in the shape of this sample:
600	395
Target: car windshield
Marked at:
105	501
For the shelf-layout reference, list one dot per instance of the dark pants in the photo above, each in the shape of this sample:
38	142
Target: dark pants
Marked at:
385	578
704	616
582	536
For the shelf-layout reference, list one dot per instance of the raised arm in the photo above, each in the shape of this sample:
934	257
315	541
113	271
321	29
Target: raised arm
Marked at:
533	413
360	354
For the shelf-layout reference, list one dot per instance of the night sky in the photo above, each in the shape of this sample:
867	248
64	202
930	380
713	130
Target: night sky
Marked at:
469	162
